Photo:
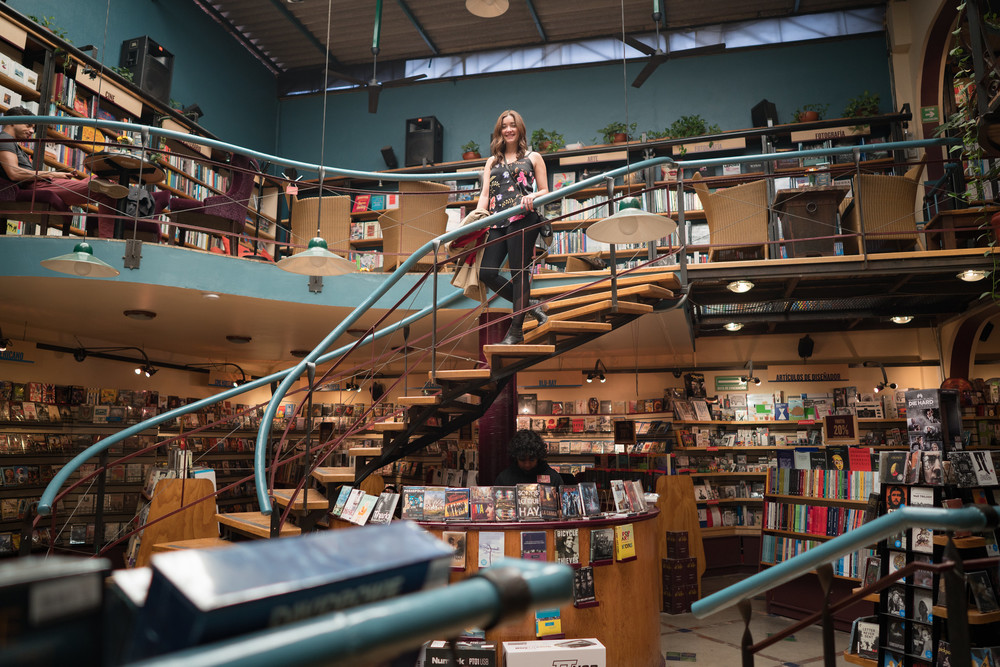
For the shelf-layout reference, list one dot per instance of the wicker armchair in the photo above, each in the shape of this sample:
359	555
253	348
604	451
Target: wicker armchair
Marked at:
736	215
421	216
887	205
334	226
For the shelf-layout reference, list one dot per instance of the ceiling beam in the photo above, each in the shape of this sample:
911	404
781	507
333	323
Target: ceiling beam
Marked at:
538	21
311	38
238	35
420	29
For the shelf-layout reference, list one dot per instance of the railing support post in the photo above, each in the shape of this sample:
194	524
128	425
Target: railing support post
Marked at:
957	603
434	315
614	261
99	508
746	611
825	573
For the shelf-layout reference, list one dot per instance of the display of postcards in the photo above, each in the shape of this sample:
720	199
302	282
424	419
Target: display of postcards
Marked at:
921	641
583	587
911	470
528	502
897	561
533	545
384	508
891	466
365	508
602	545
491	547
505	503
589	497
570	503
620	496
873	567
983	464
481	503
982	591
567	546
896	601
963	469
896	634
895	497
933	468
434	502
548	501
683	410
923	578
351	506
922	605
456	540
922	540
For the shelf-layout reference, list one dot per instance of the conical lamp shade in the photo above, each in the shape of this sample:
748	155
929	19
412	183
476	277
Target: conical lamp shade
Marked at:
316	261
81	262
631	225
487	9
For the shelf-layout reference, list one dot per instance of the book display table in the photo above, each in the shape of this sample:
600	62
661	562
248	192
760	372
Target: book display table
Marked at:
626	618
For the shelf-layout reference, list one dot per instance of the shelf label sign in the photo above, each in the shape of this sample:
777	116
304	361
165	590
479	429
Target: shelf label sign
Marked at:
800	373
729	383
930	114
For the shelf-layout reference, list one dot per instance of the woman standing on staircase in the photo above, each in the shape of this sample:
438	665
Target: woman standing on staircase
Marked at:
513	176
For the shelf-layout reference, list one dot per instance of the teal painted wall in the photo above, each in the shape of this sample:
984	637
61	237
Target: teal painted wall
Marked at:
235	91
722	88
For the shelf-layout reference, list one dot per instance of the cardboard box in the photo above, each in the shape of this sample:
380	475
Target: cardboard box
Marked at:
438	653
546	653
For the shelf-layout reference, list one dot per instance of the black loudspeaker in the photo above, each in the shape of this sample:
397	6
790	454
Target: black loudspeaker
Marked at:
390	157
152	66
763	112
423	141
805	347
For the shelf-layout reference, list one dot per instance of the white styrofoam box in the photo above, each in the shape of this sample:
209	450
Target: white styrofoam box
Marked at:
545	653
19	73
31	78
6	66
30	106
9	98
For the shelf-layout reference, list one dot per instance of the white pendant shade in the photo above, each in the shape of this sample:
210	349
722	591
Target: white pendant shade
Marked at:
487	9
631	224
81	262
316	261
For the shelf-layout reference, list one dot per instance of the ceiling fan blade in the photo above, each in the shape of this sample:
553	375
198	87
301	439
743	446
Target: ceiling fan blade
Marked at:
639	46
404	80
345	77
650	67
700	50
373	90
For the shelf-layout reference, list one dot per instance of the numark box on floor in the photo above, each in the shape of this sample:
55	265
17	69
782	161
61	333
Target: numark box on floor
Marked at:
203	595
546	653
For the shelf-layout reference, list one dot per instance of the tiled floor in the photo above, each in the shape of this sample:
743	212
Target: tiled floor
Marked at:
715	641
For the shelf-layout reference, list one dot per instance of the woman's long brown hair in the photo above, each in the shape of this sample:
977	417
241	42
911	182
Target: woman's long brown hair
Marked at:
496	139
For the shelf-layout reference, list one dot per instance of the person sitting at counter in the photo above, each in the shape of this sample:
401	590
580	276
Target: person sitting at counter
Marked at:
528	466
58	189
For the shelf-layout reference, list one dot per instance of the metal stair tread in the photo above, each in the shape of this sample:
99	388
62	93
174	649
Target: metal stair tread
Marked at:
665	279
651	292
459	374
624	308
432	399
317	501
334	474
521	350
255	523
566	327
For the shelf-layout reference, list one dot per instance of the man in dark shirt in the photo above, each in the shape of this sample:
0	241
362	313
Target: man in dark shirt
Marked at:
527	449
53	187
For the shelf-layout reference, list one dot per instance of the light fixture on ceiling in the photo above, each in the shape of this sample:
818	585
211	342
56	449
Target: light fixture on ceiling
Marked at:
316	260
631	224
143	367
740	286
142	315
598	373
973	275
733	326
239	340
81	262
902	319
146	369
487	9
750	377
4	342
884	384
221	364
211	296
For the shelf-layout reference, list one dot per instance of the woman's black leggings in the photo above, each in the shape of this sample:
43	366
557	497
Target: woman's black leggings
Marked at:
519	250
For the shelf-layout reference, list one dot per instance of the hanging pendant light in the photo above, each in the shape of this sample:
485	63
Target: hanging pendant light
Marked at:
487	9
81	262
631	224
317	260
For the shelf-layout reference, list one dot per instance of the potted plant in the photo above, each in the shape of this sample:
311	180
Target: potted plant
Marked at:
810	112
617	132
652	135
865	104
547	141
691	126
470	150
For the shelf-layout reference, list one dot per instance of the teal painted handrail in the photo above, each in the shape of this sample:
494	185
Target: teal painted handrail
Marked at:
61	477
936	518
381	630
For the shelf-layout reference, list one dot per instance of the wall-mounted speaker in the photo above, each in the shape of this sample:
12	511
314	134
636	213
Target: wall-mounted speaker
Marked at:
152	66
390	157
423	141
806	347
764	114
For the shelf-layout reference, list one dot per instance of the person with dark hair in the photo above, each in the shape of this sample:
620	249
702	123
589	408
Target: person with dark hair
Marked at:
59	189
527	449
513	176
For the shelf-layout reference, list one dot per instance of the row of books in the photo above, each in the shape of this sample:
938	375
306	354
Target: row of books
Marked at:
685	463
374	202
707	491
531	405
367	261
714	516
840	484
369	229
197	170
523	502
962	468
812	519
63	443
597	424
777	549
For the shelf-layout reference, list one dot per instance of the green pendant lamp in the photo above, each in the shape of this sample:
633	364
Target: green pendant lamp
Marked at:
81	262
316	260
631	224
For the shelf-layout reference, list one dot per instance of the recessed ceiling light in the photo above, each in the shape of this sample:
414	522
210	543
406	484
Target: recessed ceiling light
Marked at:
973	275
239	340
740	286
902	319
209	295
733	326
139	314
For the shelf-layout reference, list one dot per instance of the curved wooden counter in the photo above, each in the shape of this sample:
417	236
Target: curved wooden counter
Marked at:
627	620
